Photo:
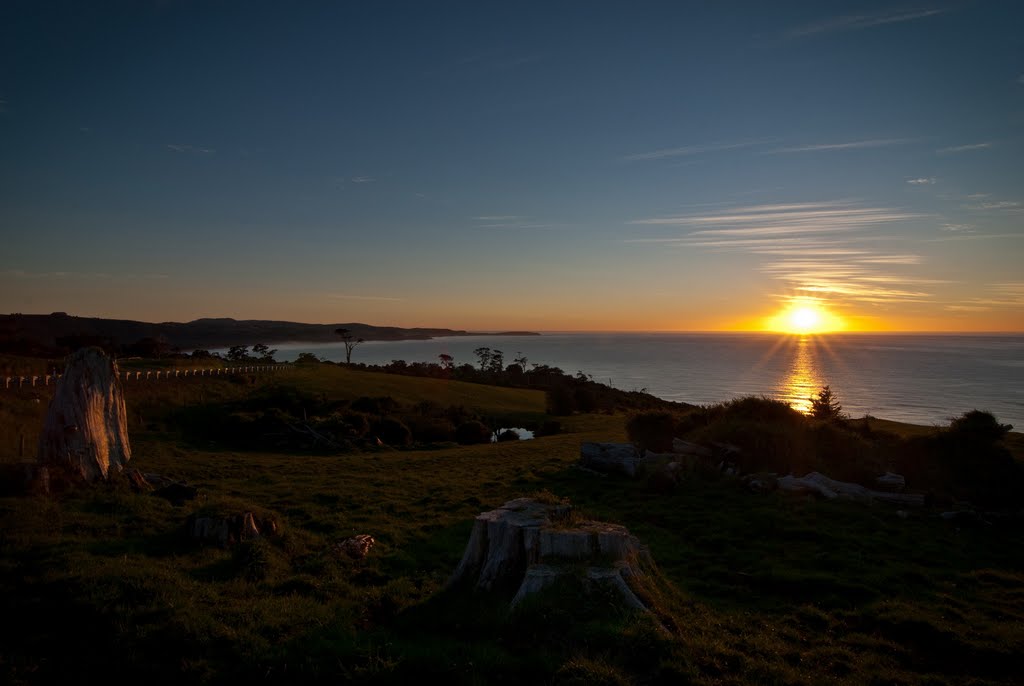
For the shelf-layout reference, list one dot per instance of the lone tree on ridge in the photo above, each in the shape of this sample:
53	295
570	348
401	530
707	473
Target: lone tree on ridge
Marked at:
350	343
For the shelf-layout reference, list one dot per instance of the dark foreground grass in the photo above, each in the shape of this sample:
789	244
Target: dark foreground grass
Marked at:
749	588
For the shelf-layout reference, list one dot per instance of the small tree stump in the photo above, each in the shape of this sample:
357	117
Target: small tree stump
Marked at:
86	432
528	545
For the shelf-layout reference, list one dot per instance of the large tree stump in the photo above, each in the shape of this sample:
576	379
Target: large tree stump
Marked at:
86	431
528	545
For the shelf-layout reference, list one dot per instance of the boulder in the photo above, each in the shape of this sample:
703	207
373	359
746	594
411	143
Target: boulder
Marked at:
528	545
226	531
891	482
357	547
686	448
608	458
818	484
85	433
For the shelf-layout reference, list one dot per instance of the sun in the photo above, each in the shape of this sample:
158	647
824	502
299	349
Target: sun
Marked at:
803	317
804	320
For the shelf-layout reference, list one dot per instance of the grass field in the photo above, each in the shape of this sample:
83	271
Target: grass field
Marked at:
751	588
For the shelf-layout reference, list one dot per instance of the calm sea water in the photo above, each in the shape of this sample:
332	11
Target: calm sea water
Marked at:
924	379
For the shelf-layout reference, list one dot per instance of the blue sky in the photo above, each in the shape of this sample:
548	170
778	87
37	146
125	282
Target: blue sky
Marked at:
553	166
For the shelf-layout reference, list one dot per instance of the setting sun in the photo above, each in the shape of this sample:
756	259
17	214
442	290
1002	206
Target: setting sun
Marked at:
805	317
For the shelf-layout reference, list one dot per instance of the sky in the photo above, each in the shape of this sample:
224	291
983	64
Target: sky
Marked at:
553	166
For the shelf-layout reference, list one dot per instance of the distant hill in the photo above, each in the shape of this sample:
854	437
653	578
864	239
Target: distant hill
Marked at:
46	329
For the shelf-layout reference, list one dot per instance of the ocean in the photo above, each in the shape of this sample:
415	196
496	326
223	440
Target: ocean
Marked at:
925	379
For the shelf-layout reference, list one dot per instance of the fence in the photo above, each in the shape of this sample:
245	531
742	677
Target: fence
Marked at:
42	380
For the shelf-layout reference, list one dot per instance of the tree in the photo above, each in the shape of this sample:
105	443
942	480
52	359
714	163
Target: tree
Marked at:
238	353
350	342
264	352
447	361
825	405
497	363
521	360
484	355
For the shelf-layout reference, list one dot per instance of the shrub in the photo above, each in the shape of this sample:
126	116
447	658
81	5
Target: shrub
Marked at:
431	429
472	432
561	401
979	428
508	435
393	432
651	431
549	427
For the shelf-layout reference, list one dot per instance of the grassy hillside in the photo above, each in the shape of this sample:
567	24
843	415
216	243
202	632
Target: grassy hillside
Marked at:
752	589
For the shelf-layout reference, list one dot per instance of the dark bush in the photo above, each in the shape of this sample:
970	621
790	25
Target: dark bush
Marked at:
759	409
978	428
652	431
393	432
379	406
508	435
431	429
549	427
471	432
561	401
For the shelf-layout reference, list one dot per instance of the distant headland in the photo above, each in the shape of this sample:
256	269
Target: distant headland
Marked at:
48	330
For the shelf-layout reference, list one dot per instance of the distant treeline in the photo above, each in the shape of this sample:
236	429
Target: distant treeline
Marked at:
47	335
566	393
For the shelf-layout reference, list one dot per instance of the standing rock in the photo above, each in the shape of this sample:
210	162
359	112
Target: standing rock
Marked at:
86	430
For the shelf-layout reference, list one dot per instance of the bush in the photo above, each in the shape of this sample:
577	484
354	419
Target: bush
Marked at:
652	431
431	429
471	432
392	432
561	401
508	435
549	427
978	428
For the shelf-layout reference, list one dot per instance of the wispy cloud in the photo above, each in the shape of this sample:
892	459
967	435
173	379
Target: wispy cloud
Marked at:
24	274
350	296
497	217
963	148
995	205
190	148
923	181
1007	294
687	150
821	249
362	179
858	22
849	145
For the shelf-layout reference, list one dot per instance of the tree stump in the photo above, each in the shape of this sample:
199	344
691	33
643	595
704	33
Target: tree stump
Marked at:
86	431
528	545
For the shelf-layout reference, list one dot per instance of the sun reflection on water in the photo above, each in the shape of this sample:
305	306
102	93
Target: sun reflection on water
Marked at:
803	379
